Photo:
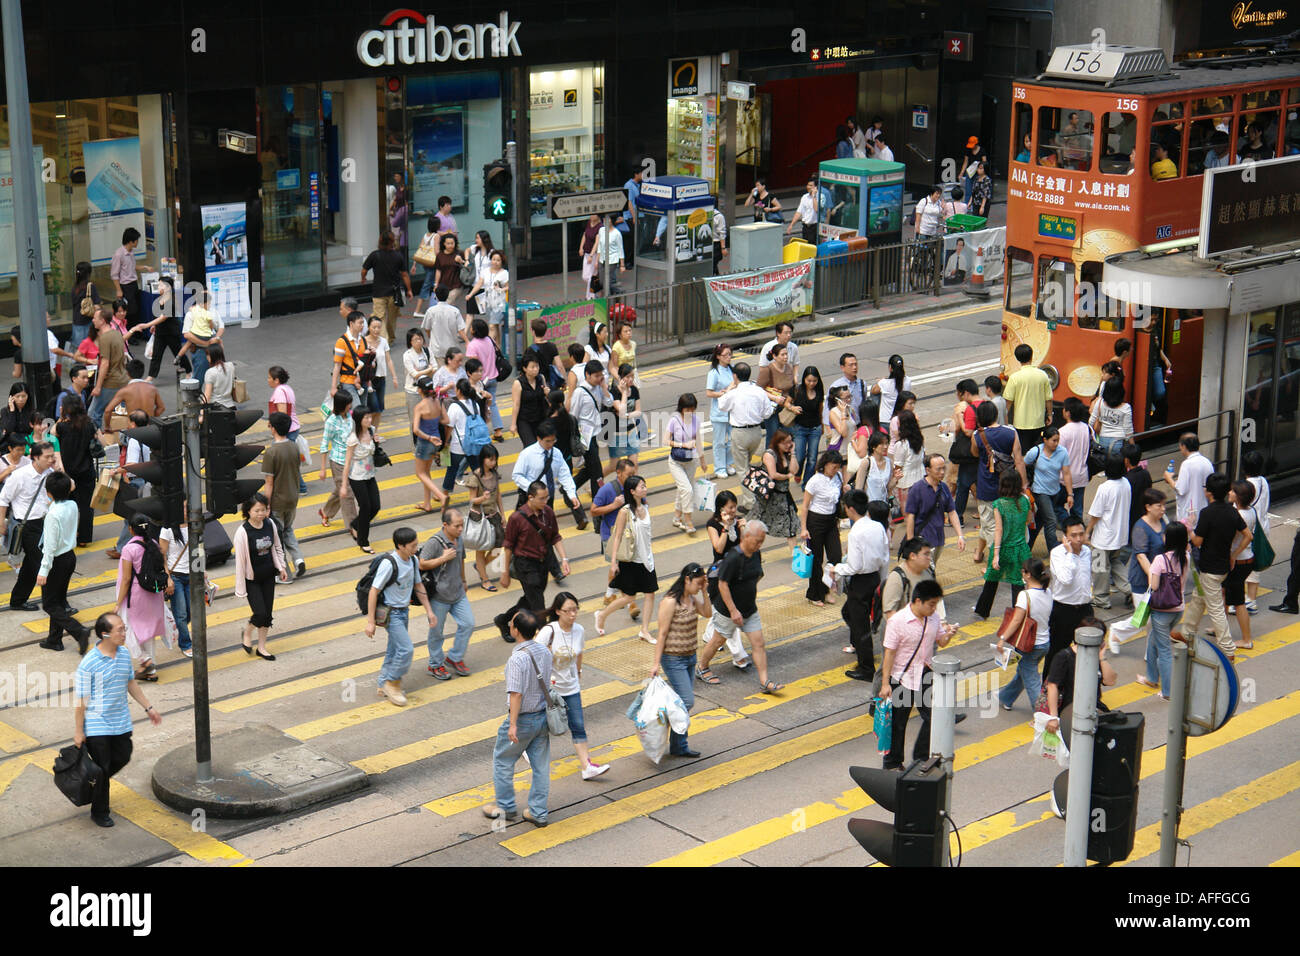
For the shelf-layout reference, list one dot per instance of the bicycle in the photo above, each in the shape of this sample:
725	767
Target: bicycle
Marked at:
922	264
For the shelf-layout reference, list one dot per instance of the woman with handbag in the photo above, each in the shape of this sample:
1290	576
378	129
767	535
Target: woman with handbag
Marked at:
259	561
1010	542
483	483
79	447
720	381
473	267
359	466
426	255
84	299
480	346
377	342
778	510
426	430
493	283
528	399
138	603
1165	585
778	376
563	637
684	459
632	566
806	401
1033	604
676	652
819	521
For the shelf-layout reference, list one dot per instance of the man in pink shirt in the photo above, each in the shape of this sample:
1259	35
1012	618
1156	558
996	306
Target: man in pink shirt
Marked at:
122	271
910	639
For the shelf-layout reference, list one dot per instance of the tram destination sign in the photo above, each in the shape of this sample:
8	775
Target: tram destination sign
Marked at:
1250	205
602	202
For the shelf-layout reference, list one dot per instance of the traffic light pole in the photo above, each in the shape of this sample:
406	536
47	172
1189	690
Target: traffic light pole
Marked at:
943	722
1078	816
1175	755
198	580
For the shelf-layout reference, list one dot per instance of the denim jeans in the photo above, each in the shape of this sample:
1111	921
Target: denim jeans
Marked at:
535	740
180	602
806	442
490	386
397	660
967	472
721	444
292	551
302	484
79	335
1160	654
1026	676
99	403
577	726
199	362
459	463
1110	446
679	671
463	615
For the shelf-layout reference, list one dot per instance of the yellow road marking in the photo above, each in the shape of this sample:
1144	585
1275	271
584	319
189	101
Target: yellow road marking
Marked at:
684	788
13	740
1291	859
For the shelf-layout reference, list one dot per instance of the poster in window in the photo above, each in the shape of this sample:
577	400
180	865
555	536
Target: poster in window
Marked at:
225	259
438	159
114	194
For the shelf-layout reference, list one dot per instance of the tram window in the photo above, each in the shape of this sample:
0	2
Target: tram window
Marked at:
1166	150
1071	143
1119	138
1055	289
1209	146
1024	131
1020	289
1094	309
1257	134
1211	105
1291	143
1259	99
1168	111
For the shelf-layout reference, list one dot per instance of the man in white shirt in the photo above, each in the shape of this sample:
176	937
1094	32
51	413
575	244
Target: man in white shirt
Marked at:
719	240
882	150
868	556
1108	533
747	407
609	250
24	498
784	330
849	379
443	325
586	405
806	214
1190	486
1071	589
540	461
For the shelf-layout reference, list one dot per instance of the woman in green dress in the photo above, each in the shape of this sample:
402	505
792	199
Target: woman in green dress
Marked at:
1011	542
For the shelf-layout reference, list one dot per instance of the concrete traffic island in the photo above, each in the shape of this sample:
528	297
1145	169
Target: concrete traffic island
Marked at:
257	771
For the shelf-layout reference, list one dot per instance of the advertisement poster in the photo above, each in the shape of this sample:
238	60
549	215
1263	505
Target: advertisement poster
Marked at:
114	194
225	260
748	301
566	324
438	159
961	251
8	242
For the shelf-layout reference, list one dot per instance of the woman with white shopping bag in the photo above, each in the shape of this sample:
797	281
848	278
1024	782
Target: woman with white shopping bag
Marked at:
563	637
1147	541
679	641
684	459
142	583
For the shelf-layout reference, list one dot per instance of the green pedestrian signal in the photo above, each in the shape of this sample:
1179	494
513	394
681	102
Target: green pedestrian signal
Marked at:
498	187
499	208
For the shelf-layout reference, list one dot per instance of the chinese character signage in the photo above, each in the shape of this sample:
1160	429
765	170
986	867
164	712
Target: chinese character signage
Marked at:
1056	227
1252	204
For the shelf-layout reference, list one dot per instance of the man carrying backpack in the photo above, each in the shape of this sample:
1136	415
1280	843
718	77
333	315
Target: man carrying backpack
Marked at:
998	449
388	585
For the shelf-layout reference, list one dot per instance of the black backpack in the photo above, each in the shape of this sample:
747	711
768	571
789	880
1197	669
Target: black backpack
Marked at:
152	575
368	580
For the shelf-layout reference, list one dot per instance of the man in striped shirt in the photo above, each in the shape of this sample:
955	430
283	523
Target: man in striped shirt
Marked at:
103	720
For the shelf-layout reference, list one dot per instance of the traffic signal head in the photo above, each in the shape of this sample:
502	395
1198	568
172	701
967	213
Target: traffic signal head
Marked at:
498	190
917	798
224	458
164	471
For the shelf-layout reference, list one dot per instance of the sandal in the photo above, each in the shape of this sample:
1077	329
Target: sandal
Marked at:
486	586
770	687
427	509
645	636
367	549
324	521
816	603
707	675
150	676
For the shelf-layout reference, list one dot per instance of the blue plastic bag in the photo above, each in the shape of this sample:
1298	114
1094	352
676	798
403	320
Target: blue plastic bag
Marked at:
883	725
802	562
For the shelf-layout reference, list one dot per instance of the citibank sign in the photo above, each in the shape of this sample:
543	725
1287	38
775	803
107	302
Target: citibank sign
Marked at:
410	38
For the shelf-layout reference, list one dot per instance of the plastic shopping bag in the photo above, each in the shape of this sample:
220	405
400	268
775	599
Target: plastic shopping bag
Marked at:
1141	613
304	451
171	634
883	724
1048	744
660	709
801	562
705	494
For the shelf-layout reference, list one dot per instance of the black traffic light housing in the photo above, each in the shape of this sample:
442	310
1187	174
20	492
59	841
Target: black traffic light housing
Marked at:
1116	770
917	798
223	458
498	190
164	471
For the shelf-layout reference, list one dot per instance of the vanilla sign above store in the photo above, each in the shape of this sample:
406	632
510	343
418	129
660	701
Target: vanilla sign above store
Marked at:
409	38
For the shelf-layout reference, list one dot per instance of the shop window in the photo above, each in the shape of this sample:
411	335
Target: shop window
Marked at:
1094	309
1065	138
289	155
1024	122
1257	134
1055	289
565	142
1165	151
1118	139
1020	289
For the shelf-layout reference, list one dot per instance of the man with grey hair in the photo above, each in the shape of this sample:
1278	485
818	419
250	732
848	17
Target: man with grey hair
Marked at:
442	563
347	305
736	604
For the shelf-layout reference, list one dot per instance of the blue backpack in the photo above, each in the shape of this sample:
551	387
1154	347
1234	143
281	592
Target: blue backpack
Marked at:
476	434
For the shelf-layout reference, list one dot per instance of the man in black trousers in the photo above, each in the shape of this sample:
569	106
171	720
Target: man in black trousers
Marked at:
1288	605
24	498
868	556
531	533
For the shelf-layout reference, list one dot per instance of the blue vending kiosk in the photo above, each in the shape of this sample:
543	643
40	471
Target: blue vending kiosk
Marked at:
674	231
860	197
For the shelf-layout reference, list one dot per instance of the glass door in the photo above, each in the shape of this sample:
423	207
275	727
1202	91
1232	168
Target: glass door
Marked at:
289	138
1286	424
1257	415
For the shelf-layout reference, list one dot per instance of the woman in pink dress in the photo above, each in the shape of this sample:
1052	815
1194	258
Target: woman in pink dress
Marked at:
141	607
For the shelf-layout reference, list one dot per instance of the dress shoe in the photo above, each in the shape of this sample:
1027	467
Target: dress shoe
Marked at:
52	645
393	691
29	606
688	752
104	821
83	641
858	674
113	554
961	715
1284	608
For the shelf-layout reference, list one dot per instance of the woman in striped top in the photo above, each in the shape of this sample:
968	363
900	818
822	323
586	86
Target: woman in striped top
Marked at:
334	450
679	614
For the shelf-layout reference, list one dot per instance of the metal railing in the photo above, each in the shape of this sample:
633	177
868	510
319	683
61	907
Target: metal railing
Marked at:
1220	444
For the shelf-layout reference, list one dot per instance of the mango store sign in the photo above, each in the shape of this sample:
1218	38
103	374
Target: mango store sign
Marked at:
409	38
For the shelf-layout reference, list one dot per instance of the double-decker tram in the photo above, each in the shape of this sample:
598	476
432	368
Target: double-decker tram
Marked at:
1109	146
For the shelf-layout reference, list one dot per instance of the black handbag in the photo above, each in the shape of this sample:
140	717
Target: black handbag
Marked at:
381	457
77	774
504	368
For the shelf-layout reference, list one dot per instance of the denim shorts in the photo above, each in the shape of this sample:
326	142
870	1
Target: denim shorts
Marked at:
623	451
496	318
424	449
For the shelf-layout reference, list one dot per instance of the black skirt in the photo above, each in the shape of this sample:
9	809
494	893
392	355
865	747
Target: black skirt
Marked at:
633	578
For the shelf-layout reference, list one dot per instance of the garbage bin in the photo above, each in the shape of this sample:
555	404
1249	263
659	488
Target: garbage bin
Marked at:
796	250
964	222
832	272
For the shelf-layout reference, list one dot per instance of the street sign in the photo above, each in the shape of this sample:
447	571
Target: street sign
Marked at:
602	202
1212	689
957	46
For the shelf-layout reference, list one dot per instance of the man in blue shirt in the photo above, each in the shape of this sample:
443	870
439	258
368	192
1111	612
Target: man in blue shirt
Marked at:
396	577
627	219
541	461
103	721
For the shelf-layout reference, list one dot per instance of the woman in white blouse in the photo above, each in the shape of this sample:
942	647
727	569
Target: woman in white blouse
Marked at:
219	379
418	363
494	283
819	522
908	453
632	561
563	636
384	371
889	387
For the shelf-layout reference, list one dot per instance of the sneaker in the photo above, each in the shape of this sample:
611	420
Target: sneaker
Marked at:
302	569
594	770
439	672
1113	644
1252	607
393	691
742	665
458	667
